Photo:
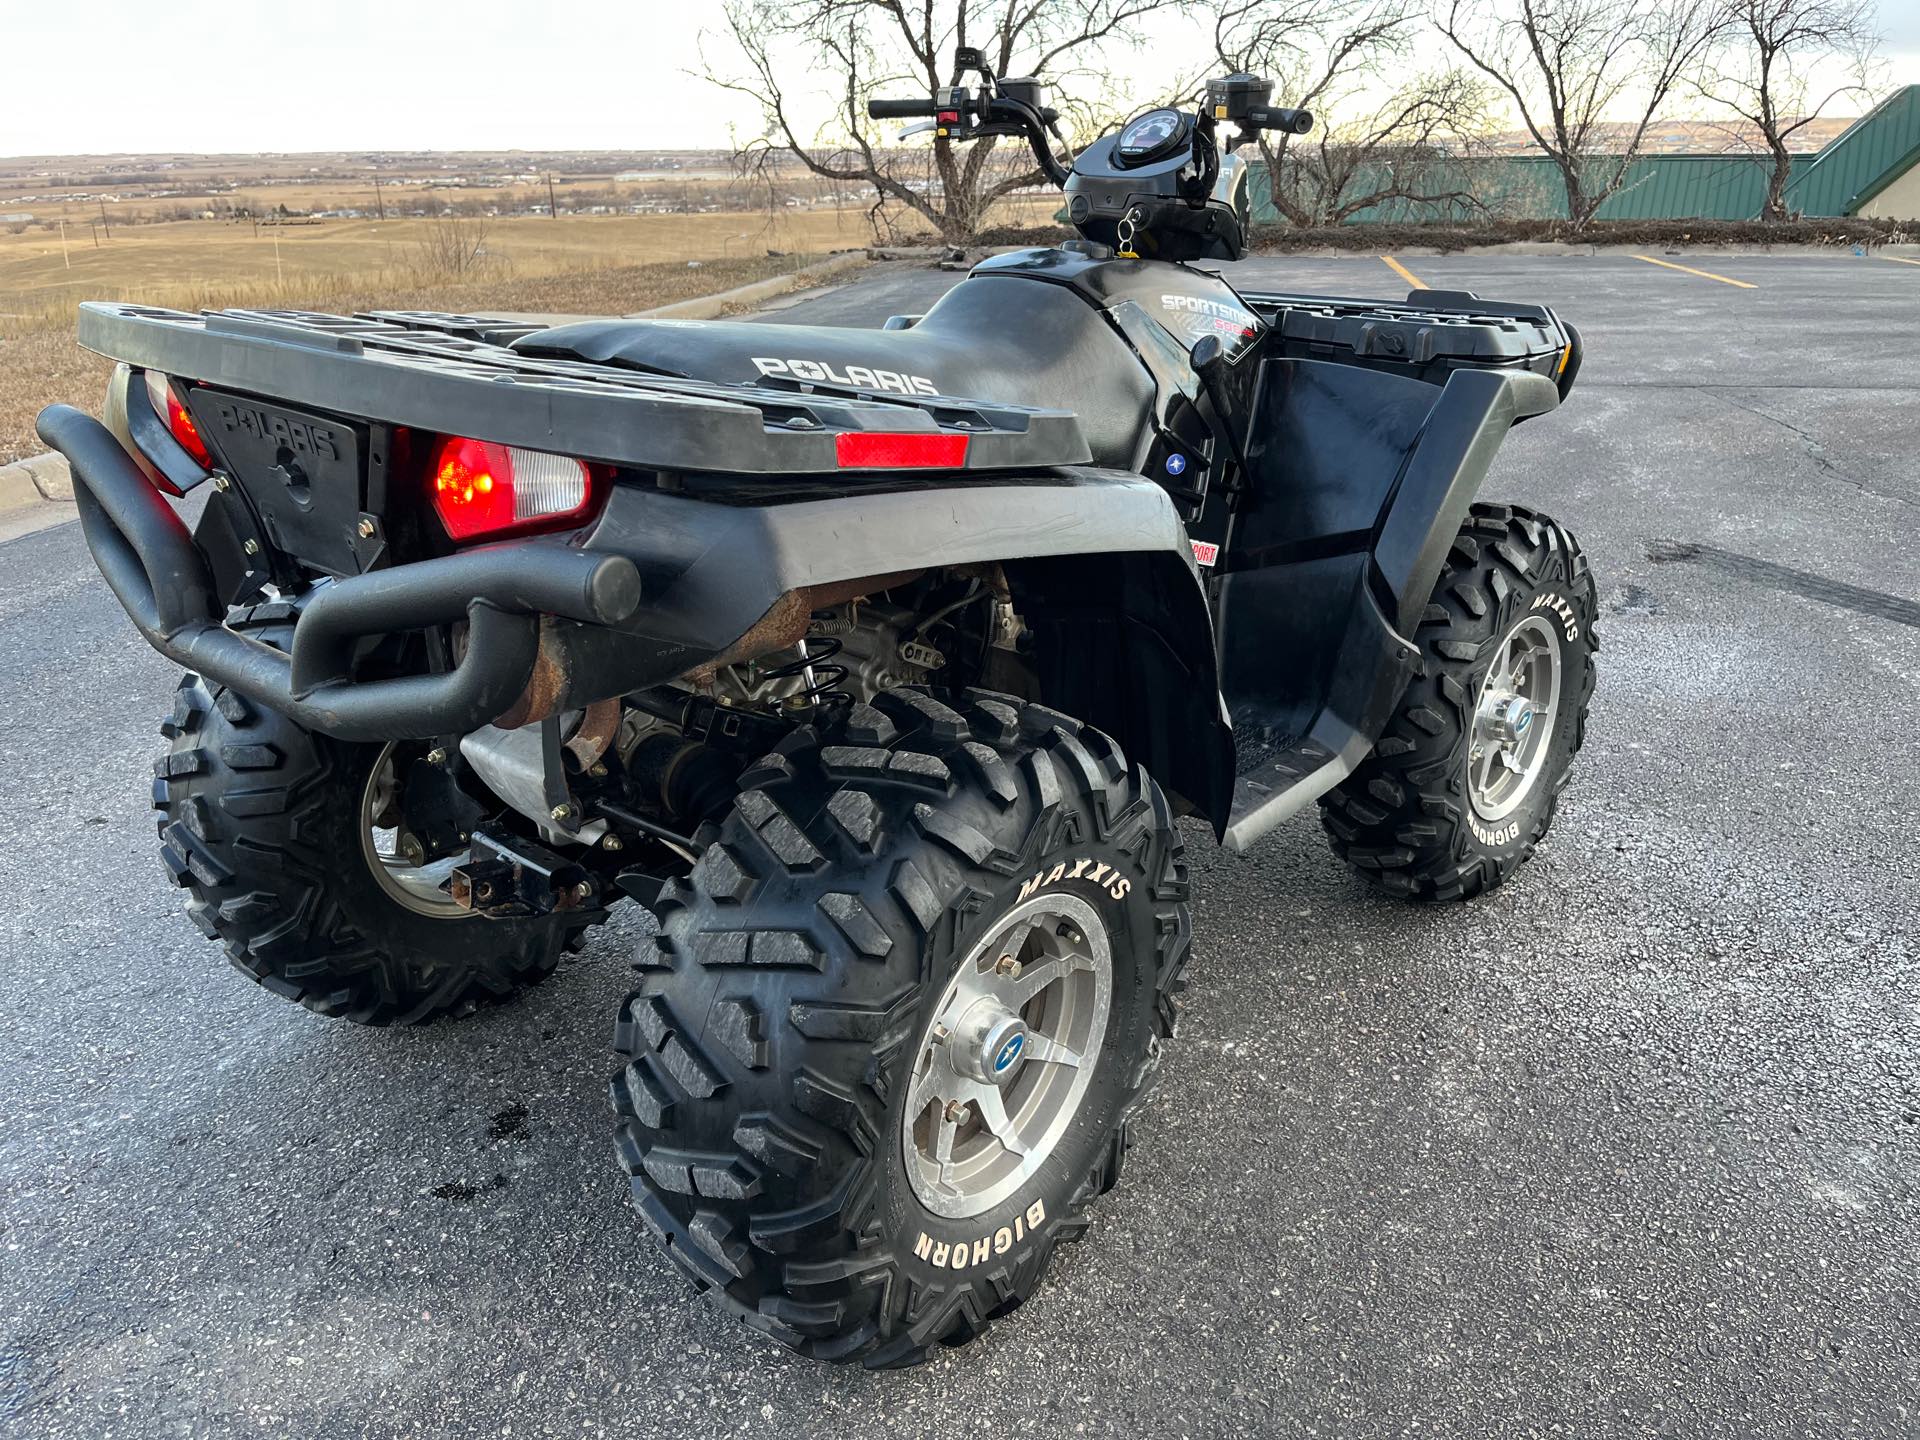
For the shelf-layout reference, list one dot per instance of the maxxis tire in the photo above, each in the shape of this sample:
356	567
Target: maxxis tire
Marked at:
1403	819
259	822
763	1056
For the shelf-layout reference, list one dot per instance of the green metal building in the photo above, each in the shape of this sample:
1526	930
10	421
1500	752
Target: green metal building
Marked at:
1872	168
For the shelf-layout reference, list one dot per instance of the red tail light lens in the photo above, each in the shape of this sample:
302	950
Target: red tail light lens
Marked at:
166	404
483	488
873	450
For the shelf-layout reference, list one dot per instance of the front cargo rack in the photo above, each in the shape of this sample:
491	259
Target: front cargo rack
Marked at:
1430	334
453	374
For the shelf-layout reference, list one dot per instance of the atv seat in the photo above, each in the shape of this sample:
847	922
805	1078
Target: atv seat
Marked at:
999	339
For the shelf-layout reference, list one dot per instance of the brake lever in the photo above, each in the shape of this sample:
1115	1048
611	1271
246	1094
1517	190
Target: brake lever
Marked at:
921	129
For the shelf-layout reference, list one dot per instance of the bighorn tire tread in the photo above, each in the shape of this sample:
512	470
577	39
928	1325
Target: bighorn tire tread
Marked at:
751	1095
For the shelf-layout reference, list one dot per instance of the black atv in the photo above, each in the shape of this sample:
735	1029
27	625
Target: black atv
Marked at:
880	665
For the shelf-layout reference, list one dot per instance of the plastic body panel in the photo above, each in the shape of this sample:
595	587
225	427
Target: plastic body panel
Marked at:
1190	303
1034	346
1359	480
442	381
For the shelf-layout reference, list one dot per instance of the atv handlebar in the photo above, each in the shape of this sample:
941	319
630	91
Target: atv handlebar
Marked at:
1275	117
1016	107
902	109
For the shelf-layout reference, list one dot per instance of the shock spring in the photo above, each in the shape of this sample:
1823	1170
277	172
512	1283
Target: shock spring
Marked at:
820	677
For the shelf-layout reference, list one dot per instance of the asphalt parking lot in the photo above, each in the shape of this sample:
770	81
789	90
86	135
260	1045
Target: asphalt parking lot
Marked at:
1631	1147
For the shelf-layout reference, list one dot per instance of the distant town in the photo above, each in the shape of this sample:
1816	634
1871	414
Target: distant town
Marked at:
290	189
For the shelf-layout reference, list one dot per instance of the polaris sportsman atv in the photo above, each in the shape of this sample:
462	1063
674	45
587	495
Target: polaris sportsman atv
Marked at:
881	665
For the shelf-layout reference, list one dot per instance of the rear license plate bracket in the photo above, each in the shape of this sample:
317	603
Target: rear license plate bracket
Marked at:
303	474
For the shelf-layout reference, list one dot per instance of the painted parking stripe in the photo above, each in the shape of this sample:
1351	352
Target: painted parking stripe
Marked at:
1900	260
1703	274
1404	273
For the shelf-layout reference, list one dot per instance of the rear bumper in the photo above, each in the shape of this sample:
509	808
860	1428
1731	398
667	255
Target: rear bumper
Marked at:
153	568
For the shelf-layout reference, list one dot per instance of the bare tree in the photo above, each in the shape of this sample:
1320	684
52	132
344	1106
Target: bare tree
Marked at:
1761	71
860	49
1323	55
1568	64
453	245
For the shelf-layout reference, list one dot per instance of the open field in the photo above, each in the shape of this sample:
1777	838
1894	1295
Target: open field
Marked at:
41	364
591	264
1630	1147
135	188
210	261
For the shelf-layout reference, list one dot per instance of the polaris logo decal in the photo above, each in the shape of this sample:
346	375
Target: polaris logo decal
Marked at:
1009	1053
857	377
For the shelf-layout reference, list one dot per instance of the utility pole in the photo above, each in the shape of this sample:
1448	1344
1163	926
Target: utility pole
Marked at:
553	205
103	218
65	254
379	204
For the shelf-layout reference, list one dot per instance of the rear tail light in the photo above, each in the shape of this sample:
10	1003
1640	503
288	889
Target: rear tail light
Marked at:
480	488
166	404
876	450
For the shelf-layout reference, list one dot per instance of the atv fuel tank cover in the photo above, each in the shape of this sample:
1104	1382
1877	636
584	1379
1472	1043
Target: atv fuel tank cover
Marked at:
1189	304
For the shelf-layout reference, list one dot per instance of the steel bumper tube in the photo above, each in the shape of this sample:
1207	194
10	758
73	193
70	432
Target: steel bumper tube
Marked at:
149	560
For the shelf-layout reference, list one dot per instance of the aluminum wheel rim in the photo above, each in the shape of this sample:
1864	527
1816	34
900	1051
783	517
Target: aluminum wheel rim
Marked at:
1003	1067
1513	720
418	887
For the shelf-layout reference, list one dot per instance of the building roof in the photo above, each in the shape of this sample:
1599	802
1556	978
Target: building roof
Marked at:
1870	155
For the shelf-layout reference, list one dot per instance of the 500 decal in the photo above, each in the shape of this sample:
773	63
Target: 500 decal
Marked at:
856	377
943	1255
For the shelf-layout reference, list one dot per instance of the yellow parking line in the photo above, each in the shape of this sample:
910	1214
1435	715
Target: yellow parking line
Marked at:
1703	274
1404	273
1900	260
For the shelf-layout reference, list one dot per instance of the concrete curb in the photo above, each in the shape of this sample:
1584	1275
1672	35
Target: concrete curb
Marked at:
709	307
35	480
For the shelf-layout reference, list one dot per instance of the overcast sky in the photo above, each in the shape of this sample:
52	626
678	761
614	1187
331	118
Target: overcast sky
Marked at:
95	76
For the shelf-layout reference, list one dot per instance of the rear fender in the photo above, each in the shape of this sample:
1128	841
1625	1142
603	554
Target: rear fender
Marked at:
1098	561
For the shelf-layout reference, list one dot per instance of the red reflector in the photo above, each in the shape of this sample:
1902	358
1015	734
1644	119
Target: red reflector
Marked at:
179	422
875	450
480	487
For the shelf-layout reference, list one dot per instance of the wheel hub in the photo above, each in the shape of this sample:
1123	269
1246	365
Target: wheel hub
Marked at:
1005	1062
1513	719
989	1044
396	858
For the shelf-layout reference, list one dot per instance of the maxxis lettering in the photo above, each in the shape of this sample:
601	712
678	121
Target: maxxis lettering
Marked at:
1098	873
1569	618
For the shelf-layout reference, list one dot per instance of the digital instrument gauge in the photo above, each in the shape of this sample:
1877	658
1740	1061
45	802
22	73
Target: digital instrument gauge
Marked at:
1152	136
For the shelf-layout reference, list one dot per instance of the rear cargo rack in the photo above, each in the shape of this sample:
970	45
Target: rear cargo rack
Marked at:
452	374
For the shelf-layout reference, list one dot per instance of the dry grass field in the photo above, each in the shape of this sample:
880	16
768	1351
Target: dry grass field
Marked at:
576	262
41	364
210	262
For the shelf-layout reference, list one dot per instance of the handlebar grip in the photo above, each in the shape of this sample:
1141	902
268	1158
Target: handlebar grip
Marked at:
902	109
1274	117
